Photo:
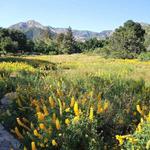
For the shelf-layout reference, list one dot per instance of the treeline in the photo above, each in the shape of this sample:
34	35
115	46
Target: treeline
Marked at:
126	42
12	41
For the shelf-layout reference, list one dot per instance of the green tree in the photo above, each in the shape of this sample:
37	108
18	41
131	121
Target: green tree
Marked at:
69	43
60	42
127	41
7	45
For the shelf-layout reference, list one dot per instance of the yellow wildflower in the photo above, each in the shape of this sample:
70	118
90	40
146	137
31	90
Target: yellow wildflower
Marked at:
41	116
139	110
67	121
60	106
36	133
99	108
52	103
46	113
33	147
91	114
57	124
72	102
42	126
54	143
139	128
76	110
106	105
76	119
120	139
59	92
67	109
54	118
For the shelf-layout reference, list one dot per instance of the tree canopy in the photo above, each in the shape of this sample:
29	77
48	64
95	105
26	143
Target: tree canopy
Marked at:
127	40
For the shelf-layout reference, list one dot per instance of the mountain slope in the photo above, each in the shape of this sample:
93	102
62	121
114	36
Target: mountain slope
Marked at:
34	30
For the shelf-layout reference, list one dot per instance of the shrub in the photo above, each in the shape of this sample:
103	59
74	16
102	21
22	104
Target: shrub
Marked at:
144	56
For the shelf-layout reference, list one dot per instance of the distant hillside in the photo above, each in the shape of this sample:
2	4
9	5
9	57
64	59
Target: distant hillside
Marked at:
34	30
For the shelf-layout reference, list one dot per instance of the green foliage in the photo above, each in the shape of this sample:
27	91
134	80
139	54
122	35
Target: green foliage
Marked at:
127	41
12	41
144	56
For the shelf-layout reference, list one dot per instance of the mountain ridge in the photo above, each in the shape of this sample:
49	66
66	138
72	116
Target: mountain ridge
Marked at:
35	30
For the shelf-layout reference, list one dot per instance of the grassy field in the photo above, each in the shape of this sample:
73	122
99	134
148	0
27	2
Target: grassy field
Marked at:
76	101
74	65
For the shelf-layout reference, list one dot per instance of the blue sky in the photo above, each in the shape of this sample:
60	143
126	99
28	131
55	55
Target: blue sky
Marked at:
95	15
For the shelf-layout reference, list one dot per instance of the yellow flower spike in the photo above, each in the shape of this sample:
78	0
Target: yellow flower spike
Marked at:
33	146
139	128
41	116
54	143
22	124
76	109
76	119
60	107
67	121
54	118
46	113
91	114
72	102
42	126
67	110
120	139
36	133
51	102
139	110
99	108
18	133
91	94
106	105
57	124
